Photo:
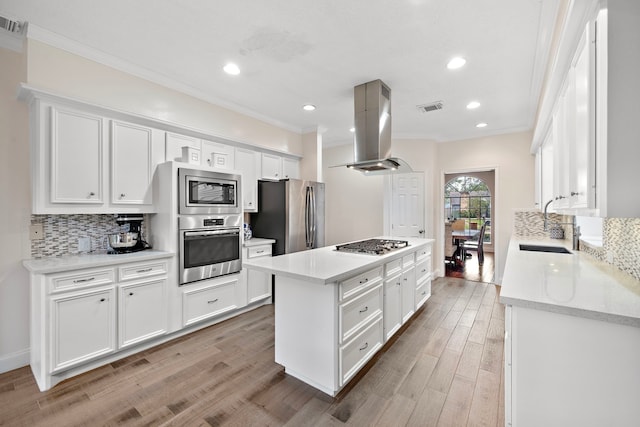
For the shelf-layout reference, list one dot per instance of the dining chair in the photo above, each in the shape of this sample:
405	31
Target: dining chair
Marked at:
477	245
449	247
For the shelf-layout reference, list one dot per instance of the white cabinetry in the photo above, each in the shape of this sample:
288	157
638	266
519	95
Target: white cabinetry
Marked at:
132	163
82	327
173	147
392	297
248	162
76	157
258	282
271	166
210	299
290	168
408	286
80	316
423	276
217	155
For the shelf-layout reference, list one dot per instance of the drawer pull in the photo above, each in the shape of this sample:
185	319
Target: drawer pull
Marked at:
103	299
212	301
424	292
130	293
365	346
424	270
364	309
84	280
144	270
260	252
364	281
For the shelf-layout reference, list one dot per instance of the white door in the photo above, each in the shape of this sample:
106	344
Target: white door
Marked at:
407	207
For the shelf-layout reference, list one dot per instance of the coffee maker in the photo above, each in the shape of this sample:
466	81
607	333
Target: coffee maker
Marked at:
134	225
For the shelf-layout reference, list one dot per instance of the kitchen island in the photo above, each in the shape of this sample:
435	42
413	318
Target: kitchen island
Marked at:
572	340
335	310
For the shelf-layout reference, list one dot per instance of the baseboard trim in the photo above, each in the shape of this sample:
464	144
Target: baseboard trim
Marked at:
13	361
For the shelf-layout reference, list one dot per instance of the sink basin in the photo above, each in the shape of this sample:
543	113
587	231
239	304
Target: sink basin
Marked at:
541	248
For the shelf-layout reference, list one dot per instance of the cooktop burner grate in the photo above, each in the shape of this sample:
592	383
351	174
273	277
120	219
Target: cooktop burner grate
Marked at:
373	246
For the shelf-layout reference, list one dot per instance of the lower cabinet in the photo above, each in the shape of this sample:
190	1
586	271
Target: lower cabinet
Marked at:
79	316
258	282
203	302
392	305
82	327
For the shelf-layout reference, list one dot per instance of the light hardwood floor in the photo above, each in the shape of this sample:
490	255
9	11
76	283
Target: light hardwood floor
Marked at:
443	369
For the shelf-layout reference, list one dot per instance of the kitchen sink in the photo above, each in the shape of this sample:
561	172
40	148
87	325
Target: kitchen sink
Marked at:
541	248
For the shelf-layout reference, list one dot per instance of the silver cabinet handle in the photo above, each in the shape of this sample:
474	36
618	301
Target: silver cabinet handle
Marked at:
144	270
365	346
91	194
364	309
364	281
84	280
260	252
130	294
103	299
212	301
122	195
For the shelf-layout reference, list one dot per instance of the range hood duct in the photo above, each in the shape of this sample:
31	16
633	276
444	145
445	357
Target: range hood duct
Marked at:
372	141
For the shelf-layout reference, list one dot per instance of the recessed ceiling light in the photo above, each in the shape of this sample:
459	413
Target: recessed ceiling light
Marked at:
473	105
456	63
232	69
308	107
481	125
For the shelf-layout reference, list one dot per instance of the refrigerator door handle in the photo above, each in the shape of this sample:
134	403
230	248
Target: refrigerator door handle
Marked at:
313	218
307	219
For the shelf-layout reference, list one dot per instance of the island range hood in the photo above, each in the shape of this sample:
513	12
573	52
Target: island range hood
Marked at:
372	141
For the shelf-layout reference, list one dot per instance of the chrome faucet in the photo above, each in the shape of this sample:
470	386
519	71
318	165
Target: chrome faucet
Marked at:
575	228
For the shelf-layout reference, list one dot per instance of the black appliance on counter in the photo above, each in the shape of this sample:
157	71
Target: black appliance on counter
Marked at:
134	223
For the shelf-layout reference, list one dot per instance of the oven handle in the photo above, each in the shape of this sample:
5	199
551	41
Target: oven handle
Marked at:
227	231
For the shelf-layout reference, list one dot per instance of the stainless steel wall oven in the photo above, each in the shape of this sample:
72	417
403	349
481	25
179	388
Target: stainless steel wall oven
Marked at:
209	246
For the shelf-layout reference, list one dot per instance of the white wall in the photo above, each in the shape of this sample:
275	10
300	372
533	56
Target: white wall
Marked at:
15	211
509	155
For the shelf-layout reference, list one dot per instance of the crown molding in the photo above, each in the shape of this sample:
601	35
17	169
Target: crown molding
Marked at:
56	40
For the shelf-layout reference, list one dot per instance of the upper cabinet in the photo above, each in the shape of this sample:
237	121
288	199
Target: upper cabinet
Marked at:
76	158
174	144
271	166
133	160
290	168
592	114
248	162
217	155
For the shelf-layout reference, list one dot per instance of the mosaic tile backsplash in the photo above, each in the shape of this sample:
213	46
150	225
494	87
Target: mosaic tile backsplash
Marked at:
61	233
620	238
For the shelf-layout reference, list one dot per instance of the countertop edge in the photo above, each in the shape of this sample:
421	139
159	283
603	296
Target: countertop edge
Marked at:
76	262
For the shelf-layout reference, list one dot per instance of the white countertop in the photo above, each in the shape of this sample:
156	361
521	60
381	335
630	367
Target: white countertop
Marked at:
574	284
74	262
326	265
257	241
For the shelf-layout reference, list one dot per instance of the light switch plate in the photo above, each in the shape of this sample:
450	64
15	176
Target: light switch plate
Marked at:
36	232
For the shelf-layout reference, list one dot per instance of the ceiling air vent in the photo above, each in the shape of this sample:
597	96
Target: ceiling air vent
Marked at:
9	25
432	106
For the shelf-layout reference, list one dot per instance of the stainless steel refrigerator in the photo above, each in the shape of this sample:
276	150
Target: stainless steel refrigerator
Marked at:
290	211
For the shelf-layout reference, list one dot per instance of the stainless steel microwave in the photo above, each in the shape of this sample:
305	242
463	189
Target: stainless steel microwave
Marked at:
203	192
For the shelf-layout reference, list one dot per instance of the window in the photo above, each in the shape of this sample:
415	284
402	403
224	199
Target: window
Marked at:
468	198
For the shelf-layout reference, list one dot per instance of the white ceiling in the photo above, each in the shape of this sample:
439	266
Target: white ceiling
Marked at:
293	52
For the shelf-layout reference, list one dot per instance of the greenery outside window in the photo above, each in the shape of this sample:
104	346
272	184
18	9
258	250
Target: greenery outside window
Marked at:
468	198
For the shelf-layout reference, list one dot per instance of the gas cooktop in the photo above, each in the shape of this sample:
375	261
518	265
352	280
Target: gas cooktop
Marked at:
373	246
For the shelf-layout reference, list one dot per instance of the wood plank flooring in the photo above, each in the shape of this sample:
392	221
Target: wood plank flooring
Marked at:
444	368
472	271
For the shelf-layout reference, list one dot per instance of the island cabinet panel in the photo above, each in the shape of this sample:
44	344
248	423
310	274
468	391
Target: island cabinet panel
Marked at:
359	311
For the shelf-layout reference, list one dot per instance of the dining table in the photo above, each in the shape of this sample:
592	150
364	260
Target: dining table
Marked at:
459	236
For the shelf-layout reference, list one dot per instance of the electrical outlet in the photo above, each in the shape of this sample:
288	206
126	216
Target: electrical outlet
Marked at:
84	244
36	232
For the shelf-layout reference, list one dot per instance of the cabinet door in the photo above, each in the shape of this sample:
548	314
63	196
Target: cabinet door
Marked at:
247	162
142	311
271	166
83	327
392	305
547	169
217	155
173	147
77	157
258	285
131	164
583	151
408	293
290	168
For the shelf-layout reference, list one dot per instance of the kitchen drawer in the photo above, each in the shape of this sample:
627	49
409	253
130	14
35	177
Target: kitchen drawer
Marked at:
408	260
356	313
423	252
358	351
423	292
203	303
352	286
79	279
392	267
423	269
143	269
258	251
